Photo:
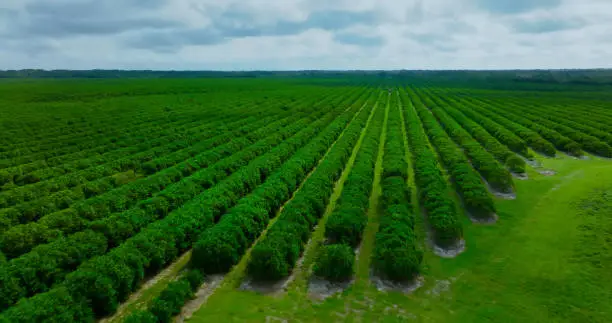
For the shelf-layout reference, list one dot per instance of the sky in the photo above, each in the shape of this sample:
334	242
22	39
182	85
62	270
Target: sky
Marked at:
305	34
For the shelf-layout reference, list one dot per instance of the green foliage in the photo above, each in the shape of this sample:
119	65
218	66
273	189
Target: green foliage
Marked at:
335	262
346	223
55	306
515	164
476	198
434	191
221	246
276	254
396	255
497	124
21	239
195	278
171	300
140	316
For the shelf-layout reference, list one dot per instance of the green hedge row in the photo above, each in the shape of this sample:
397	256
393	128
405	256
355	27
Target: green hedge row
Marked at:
171	183
107	166
480	126
76	147
503	128
116	229
74	158
498	177
347	221
394	161
475	196
58	149
87	129
276	254
560	141
106	280
434	191
397	255
502	153
584	121
170	301
589	138
222	246
583	113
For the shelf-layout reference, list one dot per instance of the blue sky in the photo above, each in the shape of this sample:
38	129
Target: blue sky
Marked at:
300	34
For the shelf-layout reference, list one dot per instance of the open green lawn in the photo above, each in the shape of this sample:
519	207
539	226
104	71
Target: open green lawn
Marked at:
546	260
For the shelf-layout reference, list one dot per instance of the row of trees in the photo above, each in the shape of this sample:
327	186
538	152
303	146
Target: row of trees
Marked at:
75	152
222	246
170	183
397	255
560	141
498	177
475	196
346	223
275	255
504	155
57	179
591	139
170	301
505	130
433	190
61	192
136	193
104	281
116	229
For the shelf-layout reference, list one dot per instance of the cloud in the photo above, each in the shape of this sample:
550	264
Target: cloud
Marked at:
304	34
238	23
546	26
515	6
69	18
359	40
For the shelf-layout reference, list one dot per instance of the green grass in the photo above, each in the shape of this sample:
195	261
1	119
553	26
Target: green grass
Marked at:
540	263
367	245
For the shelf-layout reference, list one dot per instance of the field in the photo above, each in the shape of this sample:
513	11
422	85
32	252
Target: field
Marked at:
304	199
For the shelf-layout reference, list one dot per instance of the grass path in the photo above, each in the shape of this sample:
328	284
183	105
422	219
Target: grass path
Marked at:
362	275
419	221
302	273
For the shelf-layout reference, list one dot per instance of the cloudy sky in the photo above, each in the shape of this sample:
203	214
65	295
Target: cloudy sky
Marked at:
305	34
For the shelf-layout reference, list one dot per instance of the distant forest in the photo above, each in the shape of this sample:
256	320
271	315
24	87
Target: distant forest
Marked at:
590	76
587	80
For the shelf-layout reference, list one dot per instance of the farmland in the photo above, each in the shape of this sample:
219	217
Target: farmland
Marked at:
338	198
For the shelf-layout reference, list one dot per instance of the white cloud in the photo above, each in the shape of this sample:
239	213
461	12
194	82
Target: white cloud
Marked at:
301	34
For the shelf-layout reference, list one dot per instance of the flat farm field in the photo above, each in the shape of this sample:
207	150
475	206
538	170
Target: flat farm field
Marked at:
303	200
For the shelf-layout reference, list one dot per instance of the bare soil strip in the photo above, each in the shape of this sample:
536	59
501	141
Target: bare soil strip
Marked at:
384	285
201	296
449	252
